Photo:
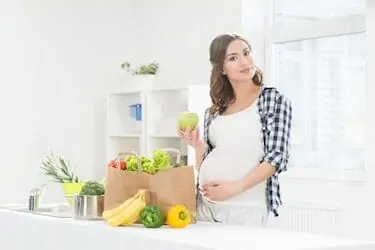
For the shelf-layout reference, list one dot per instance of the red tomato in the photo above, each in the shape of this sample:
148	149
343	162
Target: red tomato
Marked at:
123	165
112	164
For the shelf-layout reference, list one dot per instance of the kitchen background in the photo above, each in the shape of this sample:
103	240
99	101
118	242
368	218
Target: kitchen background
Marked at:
59	59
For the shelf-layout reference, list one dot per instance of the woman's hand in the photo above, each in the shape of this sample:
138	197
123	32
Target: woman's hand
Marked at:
191	137
221	190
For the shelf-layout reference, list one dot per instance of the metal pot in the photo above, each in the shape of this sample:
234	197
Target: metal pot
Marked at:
88	207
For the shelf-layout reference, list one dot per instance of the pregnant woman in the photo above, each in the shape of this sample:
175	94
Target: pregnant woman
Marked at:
246	139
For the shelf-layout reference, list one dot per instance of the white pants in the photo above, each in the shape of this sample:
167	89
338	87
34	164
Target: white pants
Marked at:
231	214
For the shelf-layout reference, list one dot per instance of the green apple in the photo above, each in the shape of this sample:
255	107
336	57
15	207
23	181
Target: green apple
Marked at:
187	120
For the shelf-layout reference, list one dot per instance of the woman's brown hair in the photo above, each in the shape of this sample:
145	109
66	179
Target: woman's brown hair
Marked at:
221	91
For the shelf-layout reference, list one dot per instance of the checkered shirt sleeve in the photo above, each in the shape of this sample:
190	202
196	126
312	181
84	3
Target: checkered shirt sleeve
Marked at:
277	141
207	121
276	124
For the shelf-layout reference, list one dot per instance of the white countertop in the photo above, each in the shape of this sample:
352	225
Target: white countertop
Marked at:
21	231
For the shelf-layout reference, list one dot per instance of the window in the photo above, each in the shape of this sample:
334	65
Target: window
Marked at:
289	12
317	58
325	79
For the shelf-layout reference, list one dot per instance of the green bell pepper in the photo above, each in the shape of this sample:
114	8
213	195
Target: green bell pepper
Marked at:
152	217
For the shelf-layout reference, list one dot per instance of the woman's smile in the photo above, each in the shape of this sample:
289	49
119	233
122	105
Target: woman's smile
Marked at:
245	71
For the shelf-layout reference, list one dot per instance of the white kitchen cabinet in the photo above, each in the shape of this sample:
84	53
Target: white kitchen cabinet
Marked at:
155	124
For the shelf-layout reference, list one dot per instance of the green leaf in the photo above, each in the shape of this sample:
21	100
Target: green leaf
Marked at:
57	169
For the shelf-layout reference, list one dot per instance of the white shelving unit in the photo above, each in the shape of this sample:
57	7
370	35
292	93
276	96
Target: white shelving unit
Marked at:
157	124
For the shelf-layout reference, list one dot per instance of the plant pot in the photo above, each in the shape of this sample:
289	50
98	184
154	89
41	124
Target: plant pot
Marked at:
88	207
72	188
144	82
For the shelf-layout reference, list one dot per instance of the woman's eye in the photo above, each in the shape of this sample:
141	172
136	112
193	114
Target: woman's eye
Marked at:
232	58
247	53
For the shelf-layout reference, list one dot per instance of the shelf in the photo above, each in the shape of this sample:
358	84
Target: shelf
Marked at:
125	135
121	118
156	126
169	89
125	93
163	109
117	145
158	142
170	135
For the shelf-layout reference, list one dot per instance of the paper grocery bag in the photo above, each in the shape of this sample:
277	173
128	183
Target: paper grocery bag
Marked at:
121	185
165	188
173	186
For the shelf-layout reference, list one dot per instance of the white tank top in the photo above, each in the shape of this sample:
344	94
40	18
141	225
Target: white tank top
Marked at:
237	150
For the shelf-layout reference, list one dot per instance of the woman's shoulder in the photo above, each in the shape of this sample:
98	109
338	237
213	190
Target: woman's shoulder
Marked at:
273	95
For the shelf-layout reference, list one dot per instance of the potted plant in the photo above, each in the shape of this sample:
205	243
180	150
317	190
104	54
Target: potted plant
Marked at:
59	170
144	74
89	203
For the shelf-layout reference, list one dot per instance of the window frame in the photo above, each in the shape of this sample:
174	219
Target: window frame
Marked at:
346	25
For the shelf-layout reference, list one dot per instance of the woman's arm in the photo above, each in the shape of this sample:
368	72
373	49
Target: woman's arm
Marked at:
256	176
277	147
199	153
202	149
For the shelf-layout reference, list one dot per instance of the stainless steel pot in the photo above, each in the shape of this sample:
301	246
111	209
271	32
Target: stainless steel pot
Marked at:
88	207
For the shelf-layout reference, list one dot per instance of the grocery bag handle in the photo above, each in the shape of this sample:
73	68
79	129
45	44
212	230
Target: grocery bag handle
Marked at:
174	150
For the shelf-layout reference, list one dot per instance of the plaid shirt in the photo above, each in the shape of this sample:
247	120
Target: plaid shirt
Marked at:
275	115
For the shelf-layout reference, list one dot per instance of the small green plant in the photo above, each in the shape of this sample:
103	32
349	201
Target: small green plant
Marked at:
144	69
59	170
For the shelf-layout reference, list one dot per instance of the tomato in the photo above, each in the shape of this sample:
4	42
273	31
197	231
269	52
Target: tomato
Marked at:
122	165
112	164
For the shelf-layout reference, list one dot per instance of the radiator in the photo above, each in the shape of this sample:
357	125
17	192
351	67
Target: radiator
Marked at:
314	217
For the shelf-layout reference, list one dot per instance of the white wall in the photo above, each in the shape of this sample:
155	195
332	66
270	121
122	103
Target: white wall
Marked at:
58	59
178	34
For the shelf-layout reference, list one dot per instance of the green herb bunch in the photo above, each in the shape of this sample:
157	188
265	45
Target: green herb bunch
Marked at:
144	69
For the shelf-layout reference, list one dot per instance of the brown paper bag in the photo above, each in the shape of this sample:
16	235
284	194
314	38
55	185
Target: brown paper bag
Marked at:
165	188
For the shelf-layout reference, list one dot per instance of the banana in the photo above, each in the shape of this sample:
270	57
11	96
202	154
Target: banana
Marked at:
130	214
117	210
135	211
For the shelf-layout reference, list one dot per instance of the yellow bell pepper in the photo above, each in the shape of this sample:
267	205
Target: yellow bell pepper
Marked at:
178	216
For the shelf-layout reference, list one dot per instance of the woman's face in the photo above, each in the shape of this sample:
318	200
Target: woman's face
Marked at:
238	63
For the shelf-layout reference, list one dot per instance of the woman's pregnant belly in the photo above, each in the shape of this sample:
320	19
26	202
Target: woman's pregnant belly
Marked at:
219	165
225	166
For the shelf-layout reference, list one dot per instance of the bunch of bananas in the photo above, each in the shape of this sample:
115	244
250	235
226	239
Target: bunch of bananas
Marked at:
128	212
